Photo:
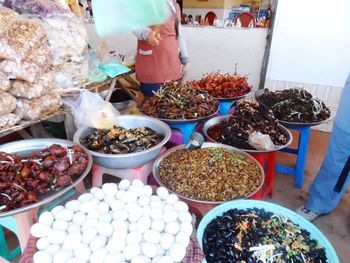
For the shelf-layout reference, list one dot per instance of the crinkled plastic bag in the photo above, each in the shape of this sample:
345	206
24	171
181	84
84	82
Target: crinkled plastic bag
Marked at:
23	70
112	16
9	120
7	16
44	8
4	82
68	38
19	38
39	107
261	141
42	85
90	110
7	103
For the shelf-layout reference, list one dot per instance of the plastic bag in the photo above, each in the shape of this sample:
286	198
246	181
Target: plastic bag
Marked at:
43	8
261	141
9	120
90	110
68	38
7	16
39	107
20	70
113	16
41	56
42	85
7	103
4	82
72	73
19	38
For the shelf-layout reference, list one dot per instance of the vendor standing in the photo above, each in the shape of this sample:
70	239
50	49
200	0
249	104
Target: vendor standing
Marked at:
161	52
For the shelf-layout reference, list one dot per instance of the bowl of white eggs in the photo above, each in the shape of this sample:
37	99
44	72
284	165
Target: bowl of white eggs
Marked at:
123	222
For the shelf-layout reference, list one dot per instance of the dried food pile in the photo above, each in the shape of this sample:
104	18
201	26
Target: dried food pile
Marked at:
249	117
120	140
175	100
23	180
210	174
26	80
255	235
295	105
224	86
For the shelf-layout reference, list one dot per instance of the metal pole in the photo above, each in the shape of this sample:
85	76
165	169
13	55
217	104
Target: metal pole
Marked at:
268	45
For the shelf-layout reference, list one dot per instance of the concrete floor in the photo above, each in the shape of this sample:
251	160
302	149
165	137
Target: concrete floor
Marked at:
335	226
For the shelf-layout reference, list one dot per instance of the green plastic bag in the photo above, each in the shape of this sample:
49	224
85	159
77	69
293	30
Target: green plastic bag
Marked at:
113	16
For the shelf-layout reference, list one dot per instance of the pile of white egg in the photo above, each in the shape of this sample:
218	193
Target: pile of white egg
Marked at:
115	223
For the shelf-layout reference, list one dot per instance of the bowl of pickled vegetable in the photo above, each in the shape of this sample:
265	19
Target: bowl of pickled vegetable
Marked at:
258	231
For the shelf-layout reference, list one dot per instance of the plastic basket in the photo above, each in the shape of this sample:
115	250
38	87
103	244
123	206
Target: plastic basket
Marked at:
276	209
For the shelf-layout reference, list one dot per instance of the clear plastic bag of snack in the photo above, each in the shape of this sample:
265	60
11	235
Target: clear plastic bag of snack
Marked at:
9	120
4	82
19	38
72	73
20	70
36	108
41	56
6	17
43	8
27	90
90	110
68	38
7	103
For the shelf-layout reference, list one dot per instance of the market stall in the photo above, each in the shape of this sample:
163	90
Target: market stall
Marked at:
170	198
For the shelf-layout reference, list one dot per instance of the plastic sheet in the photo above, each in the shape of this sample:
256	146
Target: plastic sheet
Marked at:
39	107
9	120
7	103
112	16
43	8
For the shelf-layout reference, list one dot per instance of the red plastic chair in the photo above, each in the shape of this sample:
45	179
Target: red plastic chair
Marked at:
245	18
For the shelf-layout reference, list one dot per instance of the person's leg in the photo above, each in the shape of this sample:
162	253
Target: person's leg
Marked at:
148	89
322	198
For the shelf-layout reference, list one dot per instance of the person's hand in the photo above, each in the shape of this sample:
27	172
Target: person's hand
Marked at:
185	70
154	38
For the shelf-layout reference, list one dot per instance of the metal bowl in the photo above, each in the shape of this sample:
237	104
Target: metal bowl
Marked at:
129	160
291	124
214	121
184	121
119	105
25	148
234	99
194	202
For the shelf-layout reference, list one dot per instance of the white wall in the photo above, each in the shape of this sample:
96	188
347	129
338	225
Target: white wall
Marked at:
311	42
210	49
311	48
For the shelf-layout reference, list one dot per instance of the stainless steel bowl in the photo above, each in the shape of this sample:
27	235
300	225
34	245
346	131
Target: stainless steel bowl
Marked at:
214	121
25	148
129	160
194	202
120	105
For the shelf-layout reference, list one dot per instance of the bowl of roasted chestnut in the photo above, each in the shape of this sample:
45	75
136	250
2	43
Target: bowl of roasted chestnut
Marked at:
35	172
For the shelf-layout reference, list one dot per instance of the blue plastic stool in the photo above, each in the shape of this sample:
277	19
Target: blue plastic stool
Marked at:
225	106
186	130
301	152
10	223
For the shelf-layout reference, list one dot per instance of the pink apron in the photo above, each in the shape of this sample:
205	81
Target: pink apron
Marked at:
160	63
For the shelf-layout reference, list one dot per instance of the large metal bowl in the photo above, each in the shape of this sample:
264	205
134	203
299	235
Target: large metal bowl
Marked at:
25	148
214	121
204	206
129	160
